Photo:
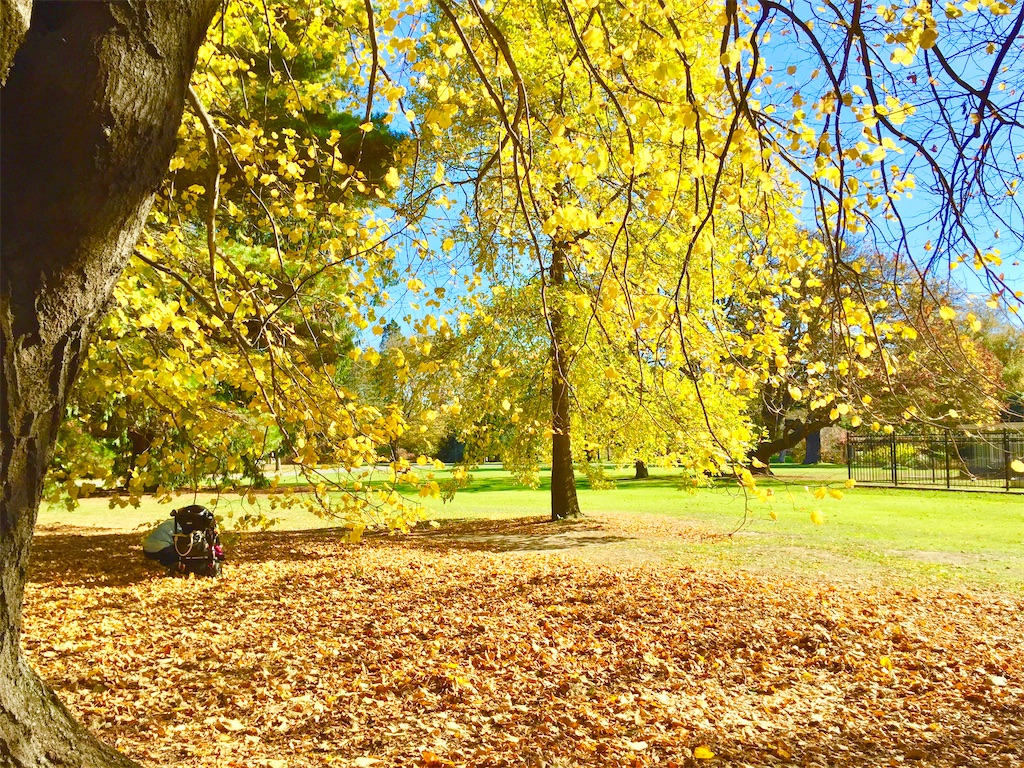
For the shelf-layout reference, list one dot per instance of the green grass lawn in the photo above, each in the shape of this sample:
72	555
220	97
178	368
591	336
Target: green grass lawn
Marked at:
870	533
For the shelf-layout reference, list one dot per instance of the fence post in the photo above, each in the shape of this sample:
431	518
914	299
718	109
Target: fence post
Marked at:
945	440
892	451
931	458
1006	456
849	456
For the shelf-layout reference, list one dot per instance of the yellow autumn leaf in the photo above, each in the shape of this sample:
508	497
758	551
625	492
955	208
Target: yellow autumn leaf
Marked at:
1017	465
817	518
947	313
885	662
703	753
902	56
392	178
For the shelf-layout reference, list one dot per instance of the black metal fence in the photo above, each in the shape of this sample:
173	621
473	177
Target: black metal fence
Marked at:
979	460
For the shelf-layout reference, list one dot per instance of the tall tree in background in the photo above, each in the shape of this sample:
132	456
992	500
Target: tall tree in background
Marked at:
915	367
587	193
997	334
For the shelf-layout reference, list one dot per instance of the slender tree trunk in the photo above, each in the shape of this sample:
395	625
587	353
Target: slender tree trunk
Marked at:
564	503
91	107
641	471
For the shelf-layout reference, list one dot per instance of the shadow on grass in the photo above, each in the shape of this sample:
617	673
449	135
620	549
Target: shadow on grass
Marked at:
525	534
487	484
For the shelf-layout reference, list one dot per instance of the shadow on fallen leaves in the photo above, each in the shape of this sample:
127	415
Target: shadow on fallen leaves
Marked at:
73	555
87	558
64	556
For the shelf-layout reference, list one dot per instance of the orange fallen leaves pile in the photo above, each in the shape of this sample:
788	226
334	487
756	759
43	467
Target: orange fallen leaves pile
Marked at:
437	650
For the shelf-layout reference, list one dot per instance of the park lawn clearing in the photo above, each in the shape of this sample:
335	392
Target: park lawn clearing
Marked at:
874	534
483	643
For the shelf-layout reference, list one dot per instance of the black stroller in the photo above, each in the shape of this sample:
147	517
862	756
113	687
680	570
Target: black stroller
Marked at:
196	542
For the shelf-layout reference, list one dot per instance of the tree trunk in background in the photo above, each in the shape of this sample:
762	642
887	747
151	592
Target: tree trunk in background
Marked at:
813	448
563	482
91	107
641	471
795	433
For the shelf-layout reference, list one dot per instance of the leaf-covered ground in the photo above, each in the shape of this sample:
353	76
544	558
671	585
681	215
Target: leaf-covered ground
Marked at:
502	644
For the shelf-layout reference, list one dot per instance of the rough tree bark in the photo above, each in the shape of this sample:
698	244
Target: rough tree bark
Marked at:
14	20
641	470
564	503
91	106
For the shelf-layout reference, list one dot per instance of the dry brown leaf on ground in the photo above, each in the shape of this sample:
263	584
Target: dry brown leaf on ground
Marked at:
435	651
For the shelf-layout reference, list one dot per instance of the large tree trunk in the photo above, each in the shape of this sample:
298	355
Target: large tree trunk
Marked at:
792	435
14	20
91	107
813	446
563	482
641	470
